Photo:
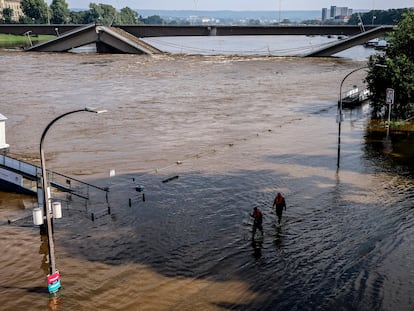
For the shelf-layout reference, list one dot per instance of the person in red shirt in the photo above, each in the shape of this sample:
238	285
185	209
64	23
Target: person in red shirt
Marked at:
280	203
258	219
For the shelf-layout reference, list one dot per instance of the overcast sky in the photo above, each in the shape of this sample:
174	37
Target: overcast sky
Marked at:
240	5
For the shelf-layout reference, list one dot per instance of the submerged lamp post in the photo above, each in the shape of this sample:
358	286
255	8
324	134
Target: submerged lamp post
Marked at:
340	116
53	278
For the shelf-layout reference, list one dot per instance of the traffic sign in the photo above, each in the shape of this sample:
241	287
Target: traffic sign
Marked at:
390	96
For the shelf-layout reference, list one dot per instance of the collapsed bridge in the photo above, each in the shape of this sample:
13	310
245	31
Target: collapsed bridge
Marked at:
128	38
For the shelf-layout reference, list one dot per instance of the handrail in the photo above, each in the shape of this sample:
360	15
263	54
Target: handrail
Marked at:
20	162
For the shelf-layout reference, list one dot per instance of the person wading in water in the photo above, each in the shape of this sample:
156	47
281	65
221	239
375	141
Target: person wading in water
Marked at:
280	203
258	219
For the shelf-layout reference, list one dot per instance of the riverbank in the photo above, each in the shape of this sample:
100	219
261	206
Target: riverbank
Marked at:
15	41
395	126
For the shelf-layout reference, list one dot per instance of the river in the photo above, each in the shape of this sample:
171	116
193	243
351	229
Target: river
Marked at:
235	130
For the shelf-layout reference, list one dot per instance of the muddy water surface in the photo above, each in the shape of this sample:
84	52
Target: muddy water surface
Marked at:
235	130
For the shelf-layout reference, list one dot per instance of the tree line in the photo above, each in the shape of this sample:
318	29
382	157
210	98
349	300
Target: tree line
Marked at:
39	12
378	17
394	69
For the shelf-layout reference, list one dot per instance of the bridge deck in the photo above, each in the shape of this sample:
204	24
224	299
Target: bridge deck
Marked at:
125	38
107	39
348	43
143	31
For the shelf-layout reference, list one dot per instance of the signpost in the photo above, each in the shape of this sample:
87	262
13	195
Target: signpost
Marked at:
390	102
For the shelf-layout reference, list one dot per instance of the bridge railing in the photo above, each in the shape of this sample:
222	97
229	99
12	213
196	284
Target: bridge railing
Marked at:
18	165
32	174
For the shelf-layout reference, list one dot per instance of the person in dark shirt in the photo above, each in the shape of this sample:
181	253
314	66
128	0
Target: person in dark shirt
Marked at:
280	204
258	219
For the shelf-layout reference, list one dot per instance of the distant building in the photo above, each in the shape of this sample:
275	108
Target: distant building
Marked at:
336	13
14	5
11	4
193	19
324	14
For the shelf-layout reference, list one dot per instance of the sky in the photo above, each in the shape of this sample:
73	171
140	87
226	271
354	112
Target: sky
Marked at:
245	5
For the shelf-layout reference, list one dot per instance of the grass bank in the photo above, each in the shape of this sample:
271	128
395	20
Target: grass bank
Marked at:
9	41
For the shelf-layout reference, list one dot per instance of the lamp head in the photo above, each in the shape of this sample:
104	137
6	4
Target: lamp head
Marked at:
94	110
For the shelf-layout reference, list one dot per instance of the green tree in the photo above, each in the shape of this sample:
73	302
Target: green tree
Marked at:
398	74
7	15
60	12
94	15
101	13
78	17
129	16
153	20
106	15
36	10
378	17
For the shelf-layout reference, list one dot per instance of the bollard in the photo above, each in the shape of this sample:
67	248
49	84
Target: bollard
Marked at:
57	210
109	210
130	202
37	217
143	197
93	217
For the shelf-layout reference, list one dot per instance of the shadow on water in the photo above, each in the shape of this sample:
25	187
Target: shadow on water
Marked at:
380	151
322	256
336	238
36	290
328	252
392	151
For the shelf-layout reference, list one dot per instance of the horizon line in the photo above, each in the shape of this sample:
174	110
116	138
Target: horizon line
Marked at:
235	10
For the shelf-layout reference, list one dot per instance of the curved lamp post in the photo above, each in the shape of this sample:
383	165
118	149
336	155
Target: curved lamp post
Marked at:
46	198
340	117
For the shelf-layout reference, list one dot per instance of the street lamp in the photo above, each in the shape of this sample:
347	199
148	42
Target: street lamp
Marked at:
340	116
46	200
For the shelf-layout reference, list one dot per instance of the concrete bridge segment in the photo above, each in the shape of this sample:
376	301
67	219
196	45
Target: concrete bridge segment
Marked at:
107	39
125	38
350	42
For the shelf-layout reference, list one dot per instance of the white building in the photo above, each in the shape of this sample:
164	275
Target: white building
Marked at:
11	4
336	13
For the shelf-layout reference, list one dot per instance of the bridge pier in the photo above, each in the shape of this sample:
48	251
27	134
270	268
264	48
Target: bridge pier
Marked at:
212	31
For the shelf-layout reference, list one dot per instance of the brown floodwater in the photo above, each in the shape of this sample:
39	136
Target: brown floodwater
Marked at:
235	130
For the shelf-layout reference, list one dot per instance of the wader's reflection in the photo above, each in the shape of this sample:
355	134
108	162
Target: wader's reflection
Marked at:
278	237
257	248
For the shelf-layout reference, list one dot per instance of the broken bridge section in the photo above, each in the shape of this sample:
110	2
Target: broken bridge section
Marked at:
107	40
117	40
350	42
